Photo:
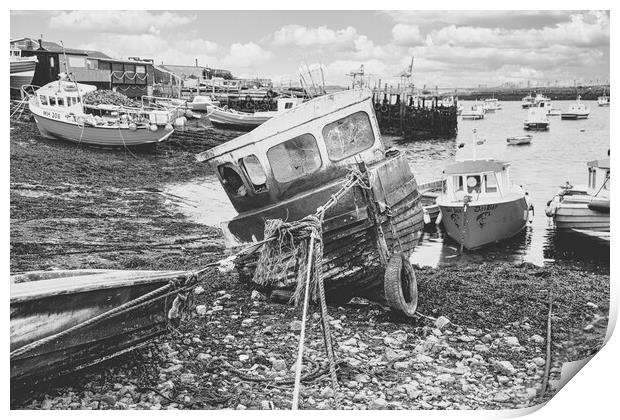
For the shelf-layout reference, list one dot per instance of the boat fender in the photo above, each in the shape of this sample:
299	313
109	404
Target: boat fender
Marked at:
168	127
600	205
153	127
189	114
551	208
427	217
377	106
439	218
400	286
180	122
133	126
384	109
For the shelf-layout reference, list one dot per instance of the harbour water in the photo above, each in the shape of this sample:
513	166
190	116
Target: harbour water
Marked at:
554	157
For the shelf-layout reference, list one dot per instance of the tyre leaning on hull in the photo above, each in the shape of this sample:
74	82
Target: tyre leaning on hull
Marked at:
400	286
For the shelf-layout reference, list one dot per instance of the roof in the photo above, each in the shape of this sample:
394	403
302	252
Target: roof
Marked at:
294	117
600	163
34	45
68	88
184	71
475	166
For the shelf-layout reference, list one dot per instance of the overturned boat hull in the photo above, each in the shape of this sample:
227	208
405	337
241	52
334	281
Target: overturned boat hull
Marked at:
43	304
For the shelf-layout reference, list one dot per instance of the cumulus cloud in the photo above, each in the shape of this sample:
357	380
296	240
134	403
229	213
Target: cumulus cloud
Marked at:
246	55
303	36
119	21
403	34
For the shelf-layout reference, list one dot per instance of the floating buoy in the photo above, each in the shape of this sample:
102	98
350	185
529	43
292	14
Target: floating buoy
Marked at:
168	126
153	127
132	126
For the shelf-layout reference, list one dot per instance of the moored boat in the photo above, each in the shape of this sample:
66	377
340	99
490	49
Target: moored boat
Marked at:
519	140
584	207
492	105
245	121
537	118
302	159
475	112
576	111
527	101
60	113
21	69
62	321
203	103
603	100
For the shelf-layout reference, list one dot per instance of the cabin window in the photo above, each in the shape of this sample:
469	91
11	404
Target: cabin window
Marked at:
254	170
232	181
288	105
348	136
473	184
52	64
458	183
607	181
294	158
52	100
140	69
491	183
43	99
60	101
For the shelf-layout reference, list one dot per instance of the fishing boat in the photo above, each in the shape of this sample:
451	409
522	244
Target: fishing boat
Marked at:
60	113
429	192
528	101
475	112
459	109
603	100
245	121
480	205
492	105
62	321
309	158
22	69
519	140
576	111
537	118
203	103
584	208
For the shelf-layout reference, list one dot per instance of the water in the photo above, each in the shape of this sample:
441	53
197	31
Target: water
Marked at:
554	157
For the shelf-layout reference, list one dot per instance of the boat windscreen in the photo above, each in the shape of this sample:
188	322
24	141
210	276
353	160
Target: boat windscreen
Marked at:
295	158
255	172
348	136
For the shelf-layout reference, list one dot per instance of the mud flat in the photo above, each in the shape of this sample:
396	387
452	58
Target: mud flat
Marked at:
77	207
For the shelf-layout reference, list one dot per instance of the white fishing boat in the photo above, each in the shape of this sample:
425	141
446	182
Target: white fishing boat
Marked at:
475	112
537	118
22	69
459	109
203	103
245	121
603	100
492	105
576	111
519	140
584	207
60	113
527	101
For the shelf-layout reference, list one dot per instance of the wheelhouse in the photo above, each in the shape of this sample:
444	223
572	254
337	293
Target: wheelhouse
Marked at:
294	154
599	175
479	179
62	95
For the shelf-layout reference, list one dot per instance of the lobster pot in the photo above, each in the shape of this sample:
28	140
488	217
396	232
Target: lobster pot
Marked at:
354	232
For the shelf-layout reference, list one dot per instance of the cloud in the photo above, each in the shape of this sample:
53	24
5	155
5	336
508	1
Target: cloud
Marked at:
407	34
297	35
246	55
119	21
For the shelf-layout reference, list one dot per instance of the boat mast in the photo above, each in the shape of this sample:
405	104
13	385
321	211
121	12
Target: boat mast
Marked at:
473	143
77	88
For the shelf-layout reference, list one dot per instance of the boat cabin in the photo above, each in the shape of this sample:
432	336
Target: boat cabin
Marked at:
599	176
305	148
63	96
479	179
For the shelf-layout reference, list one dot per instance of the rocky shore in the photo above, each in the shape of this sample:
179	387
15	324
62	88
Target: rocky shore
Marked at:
479	341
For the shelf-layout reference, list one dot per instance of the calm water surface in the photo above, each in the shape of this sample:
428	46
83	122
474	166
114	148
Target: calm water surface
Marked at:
554	157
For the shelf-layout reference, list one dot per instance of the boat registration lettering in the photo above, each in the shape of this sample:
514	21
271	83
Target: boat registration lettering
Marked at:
485	208
51	114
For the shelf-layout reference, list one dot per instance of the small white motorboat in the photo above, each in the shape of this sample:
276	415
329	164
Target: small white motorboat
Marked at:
245	121
537	118
527	101
603	100
576	111
479	205
203	103
584	207
475	112
492	105
519	140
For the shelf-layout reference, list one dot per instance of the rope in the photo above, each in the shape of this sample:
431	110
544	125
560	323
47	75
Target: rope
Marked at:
101	317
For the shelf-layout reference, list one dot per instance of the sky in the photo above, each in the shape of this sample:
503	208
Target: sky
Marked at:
455	49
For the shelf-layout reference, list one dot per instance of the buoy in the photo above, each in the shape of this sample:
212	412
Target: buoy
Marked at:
461	145
180	122
427	217
153	127
168	126
438	219
189	113
132	126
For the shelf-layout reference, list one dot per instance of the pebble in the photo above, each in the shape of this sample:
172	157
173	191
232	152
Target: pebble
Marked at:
481	348
536	339
466	338
278	365
378	403
539	361
295	325
258	296
266	405
511	341
201	309
199	290
505	367
588	327
441	322
501	397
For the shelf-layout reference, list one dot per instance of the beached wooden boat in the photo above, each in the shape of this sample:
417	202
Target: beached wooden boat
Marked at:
45	305
479	205
584	207
292	164
245	121
60	114
519	140
429	192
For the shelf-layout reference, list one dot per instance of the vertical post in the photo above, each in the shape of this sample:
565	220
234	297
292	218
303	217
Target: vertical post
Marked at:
373	215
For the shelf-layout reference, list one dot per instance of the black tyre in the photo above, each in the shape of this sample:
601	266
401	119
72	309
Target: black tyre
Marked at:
400	286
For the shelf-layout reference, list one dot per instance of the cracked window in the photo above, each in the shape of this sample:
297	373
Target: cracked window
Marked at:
294	158
348	136
255	172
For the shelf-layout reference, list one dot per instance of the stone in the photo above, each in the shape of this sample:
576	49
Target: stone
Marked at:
278	365
401	365
350	342
247	322
266	405
244	357
539	361
327	392
412	390
503	380
466	338
361	378
487	338
441	322
446	378
536	339
203	357
592	305
481	348
531	393
199	290
378	404
504	366
501	397
201	309
188	378
588	327
240	407
258	296
422	358
295	325
511	341
46	404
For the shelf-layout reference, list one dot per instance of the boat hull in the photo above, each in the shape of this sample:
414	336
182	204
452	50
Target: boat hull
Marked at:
580	216
100	136
47	303
472	116
539	126
351	261
484	224
22	73
242	122
575	116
